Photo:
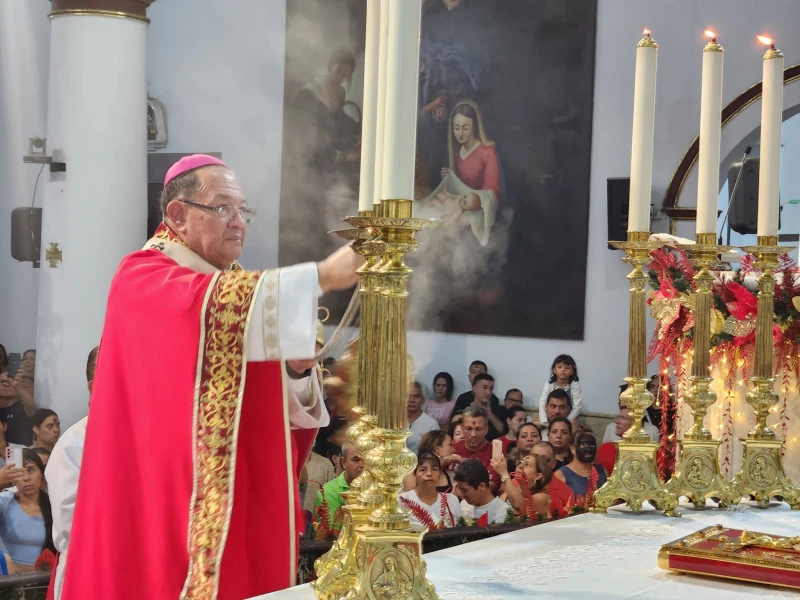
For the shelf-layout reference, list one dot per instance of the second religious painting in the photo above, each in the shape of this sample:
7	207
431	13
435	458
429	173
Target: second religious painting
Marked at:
504	134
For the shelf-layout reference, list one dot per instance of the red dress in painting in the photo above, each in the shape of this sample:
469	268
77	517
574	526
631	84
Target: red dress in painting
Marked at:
182	422
480	170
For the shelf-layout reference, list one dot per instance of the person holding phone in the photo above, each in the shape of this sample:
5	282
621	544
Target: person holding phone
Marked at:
26	520
16	411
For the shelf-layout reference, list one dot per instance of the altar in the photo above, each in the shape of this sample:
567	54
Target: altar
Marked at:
608	557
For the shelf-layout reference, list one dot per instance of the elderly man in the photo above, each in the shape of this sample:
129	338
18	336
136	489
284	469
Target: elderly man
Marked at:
207	385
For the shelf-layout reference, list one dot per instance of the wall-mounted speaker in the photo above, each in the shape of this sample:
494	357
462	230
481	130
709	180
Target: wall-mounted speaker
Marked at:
619	191
26	234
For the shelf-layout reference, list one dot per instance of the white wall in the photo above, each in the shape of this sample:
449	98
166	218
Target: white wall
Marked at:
24	56
218	68
219	72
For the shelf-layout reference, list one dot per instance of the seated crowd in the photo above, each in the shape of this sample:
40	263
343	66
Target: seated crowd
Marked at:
479	459
27	437
483	460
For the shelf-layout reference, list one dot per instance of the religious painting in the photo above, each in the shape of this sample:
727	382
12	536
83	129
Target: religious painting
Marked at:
503	155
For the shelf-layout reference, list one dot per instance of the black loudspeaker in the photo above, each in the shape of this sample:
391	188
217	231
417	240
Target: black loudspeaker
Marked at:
26	234
619	191
743	216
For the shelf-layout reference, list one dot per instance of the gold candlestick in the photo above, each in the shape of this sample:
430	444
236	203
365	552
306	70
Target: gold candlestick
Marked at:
387	549
336	569
635	477
697	474
761	475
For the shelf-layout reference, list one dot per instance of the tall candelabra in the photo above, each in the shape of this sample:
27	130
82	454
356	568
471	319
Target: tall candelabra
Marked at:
697	473
635	477
384	554
336	570
761	475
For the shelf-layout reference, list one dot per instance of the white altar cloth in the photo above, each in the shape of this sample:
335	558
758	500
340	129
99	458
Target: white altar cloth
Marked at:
602	557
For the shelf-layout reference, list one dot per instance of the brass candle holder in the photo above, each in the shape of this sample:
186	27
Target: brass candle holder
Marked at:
761	475
336	570
697	474
387	548
635	477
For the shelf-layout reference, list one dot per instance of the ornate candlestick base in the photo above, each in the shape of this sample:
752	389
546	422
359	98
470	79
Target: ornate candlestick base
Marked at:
762	475
390	565
635	480
635	476
697	473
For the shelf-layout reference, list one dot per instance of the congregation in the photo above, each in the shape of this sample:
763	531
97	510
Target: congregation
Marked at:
481	459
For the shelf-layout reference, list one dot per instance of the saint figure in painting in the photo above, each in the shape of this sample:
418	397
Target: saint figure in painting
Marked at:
471	186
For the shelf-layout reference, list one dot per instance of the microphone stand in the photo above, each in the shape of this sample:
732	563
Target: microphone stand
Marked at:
730	199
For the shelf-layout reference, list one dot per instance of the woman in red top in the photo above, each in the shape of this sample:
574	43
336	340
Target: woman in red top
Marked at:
526	491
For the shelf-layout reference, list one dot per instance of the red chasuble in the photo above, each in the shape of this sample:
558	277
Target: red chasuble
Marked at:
188	487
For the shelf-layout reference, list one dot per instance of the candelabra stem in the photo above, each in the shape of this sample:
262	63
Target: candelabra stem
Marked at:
761	475
635	476
697	473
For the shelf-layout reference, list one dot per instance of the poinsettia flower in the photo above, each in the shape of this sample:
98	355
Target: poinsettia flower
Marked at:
746	304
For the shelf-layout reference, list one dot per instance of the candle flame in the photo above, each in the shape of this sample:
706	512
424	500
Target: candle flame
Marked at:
710	34
765	40
646	32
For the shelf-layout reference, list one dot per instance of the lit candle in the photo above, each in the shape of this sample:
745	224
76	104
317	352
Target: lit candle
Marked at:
710	131
771	119
400	132
644	110
366	188
380	122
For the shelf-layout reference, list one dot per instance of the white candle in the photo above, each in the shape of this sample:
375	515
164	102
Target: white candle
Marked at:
401	100
644	110
380	122
710	131
770	161
370	107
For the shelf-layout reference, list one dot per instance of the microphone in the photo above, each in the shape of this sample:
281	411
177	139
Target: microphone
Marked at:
747	151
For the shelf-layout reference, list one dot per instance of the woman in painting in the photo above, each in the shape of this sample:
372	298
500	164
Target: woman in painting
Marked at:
471	184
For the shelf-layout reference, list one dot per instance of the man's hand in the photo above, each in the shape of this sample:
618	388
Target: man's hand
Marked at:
338	271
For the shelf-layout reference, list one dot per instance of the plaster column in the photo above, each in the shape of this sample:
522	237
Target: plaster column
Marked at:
95	212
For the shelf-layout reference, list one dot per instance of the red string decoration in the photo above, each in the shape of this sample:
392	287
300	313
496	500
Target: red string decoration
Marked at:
422	515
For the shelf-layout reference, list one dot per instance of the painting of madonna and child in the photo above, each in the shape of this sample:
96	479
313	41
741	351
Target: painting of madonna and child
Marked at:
504	128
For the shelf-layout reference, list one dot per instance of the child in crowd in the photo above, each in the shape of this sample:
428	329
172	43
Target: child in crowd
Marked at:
564	376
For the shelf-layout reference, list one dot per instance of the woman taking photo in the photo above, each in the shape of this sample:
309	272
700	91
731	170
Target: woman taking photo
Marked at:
526	491
26	521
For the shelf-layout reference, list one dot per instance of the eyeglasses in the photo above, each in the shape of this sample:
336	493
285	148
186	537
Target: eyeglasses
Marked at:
225	212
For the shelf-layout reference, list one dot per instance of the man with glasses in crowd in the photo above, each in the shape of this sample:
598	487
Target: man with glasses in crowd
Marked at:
208	381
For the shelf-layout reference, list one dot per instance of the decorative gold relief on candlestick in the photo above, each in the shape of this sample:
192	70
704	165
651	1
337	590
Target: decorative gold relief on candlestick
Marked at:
635	476
697	473
761	475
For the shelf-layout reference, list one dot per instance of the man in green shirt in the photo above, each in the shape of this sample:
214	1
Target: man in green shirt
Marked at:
353	466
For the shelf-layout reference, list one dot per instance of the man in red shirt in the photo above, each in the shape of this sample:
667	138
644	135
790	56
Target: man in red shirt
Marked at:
475	445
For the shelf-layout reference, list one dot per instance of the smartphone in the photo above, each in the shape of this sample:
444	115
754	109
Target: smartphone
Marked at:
14	455
497	449
14	362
